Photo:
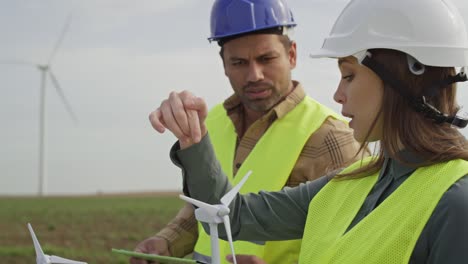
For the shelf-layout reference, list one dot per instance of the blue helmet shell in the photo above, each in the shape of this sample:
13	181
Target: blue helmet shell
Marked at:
234	17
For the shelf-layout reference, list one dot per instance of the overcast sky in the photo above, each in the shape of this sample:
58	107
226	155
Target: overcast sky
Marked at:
118	60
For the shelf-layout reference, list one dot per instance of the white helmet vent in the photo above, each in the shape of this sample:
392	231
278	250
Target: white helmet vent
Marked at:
415	66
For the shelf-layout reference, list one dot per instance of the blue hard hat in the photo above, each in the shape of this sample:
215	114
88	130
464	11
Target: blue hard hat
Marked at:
234	17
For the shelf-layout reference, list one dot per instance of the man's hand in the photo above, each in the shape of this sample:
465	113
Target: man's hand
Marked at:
184	115
246	259
152	245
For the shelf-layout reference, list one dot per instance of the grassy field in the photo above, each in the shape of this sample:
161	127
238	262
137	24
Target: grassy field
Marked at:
81	228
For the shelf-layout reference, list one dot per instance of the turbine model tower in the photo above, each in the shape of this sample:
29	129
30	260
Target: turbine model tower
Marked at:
216	214
46	71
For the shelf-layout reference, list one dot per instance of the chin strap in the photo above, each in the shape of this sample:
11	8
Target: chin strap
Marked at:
419	104
460	77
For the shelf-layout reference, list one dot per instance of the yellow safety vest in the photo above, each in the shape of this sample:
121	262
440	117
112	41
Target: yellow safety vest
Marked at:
271	162
390	232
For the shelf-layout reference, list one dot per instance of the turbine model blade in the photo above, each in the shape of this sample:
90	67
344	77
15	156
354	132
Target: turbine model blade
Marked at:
60	260
60	39
37	246
62	96
227	226
211	209
229	196
42	258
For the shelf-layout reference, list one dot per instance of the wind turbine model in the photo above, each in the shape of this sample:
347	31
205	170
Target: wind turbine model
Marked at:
215	214
46	70
41	258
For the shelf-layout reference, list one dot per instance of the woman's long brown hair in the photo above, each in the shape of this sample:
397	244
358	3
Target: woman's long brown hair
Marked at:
405	128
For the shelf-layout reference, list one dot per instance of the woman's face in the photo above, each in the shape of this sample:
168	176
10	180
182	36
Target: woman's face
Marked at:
360	92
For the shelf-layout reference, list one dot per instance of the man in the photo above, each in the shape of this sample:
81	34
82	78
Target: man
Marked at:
268	125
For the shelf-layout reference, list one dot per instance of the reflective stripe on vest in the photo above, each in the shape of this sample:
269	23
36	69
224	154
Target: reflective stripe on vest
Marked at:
390	232
271	162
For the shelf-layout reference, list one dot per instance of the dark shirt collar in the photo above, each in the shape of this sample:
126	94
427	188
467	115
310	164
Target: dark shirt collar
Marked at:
399	169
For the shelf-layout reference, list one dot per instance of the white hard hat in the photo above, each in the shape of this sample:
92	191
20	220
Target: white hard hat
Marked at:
432	31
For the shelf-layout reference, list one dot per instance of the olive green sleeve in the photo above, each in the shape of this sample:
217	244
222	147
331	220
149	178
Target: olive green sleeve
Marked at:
255	217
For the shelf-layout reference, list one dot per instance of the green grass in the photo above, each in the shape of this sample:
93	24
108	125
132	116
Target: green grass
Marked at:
81	228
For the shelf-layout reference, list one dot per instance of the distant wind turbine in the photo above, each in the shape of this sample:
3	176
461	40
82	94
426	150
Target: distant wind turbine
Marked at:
46	70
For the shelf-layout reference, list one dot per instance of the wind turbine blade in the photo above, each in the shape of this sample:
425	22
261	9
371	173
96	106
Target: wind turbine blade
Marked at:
227	226
60	39
62	96
229	196
211	209
60	260
17	62
37	246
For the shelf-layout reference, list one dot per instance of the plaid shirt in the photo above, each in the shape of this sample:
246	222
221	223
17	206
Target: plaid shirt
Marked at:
331	147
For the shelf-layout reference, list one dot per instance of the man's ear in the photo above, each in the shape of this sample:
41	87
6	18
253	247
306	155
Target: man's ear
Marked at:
225	73
221	55
292	55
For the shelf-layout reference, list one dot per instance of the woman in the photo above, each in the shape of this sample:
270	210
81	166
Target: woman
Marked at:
407	204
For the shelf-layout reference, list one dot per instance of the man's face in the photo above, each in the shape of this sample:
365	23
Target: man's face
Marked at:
259	69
